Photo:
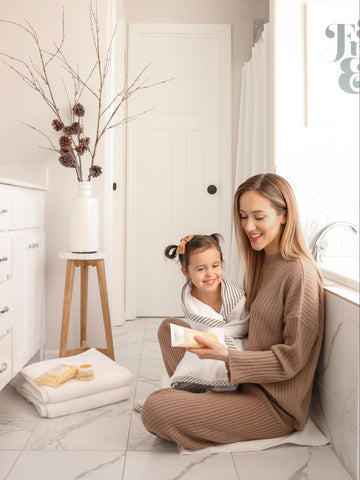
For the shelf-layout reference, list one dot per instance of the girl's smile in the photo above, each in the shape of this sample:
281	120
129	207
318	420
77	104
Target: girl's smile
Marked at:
205	272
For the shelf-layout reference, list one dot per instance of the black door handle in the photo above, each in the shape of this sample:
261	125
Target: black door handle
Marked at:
211	189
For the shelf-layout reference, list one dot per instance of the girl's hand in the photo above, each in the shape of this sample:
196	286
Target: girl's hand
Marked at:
211	349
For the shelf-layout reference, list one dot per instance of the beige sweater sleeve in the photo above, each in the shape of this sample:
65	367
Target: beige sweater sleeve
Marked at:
301	327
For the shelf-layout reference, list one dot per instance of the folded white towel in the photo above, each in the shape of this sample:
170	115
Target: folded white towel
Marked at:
108	375
310	436
75	405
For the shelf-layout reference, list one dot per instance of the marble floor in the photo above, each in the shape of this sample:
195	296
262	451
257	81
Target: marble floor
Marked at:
110	443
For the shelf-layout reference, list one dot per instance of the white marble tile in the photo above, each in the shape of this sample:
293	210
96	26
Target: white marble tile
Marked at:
336	389
337	426
100	429
7	460
291	463
151	350
128	339
133	330
18	419
131	364
173	466
151	369
143	389
338	369
68	466
142	440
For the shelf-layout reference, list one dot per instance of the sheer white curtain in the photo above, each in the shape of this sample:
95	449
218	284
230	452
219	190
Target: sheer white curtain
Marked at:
253	149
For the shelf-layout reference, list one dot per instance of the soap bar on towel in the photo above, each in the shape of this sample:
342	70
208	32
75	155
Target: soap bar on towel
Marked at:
107	375
57	375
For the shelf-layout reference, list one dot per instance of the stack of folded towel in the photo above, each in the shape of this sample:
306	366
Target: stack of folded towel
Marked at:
111	384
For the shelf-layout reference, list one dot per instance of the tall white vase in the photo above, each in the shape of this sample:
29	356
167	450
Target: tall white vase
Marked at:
84	220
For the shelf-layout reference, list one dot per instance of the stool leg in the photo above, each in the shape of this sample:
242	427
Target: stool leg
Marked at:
69	283
84	303
100	270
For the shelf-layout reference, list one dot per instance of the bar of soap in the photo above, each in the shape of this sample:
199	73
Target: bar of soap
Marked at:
57	375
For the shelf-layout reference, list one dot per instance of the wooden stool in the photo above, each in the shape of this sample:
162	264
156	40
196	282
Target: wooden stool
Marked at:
84	261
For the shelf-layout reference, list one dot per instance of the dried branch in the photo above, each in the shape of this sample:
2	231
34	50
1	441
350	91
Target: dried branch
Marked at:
73	143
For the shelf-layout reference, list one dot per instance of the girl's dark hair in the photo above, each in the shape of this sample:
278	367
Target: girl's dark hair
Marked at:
198	242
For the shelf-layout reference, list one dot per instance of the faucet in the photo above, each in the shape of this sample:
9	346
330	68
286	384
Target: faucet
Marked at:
316	249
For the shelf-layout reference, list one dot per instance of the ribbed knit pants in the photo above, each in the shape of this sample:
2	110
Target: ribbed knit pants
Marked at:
199	420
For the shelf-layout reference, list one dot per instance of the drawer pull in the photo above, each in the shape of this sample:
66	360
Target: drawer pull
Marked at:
4	310
3	211
3	259
3	366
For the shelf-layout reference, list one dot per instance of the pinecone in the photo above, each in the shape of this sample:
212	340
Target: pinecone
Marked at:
76	128
81	149
85	141
57	125
67	160
68	130
95	171
79	110
65	142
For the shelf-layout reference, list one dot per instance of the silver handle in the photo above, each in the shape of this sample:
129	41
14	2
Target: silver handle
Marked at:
3	211
3	259
3	367
4	310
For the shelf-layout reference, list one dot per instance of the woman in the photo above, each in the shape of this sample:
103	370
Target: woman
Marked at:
275	374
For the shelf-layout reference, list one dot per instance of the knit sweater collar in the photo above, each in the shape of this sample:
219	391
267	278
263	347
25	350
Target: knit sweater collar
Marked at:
270	259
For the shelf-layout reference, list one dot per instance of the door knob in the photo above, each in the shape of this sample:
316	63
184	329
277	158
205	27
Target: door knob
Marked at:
211	189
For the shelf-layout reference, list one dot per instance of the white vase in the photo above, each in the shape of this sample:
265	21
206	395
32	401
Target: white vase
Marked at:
84	220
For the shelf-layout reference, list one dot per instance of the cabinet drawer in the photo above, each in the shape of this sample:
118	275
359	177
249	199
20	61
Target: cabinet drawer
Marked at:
5	305
5	257
5	358
5	209
27	208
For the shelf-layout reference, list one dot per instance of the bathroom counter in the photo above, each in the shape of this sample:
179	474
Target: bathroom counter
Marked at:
20	183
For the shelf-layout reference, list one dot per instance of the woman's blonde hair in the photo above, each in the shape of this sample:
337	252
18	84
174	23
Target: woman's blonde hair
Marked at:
292	243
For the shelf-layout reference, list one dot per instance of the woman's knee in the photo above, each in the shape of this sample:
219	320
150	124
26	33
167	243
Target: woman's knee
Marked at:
152	413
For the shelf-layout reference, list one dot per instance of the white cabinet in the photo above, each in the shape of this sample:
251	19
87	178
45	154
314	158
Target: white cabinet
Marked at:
28	294
22	278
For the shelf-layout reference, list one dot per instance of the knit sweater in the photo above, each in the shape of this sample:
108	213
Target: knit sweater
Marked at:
286	330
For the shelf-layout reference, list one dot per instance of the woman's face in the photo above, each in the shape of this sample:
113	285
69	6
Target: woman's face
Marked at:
261	222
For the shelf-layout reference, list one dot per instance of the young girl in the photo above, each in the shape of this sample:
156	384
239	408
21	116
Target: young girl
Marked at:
211	304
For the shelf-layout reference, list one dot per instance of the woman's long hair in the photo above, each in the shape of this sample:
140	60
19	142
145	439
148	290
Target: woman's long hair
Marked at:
292	243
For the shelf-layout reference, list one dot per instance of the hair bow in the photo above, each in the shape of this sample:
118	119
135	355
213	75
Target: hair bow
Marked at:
181	249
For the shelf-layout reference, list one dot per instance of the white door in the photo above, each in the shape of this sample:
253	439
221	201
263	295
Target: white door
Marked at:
175	153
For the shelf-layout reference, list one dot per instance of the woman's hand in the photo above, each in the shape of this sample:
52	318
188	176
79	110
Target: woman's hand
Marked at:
211	349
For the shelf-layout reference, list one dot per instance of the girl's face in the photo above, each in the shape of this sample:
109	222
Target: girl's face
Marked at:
261	222
205	269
